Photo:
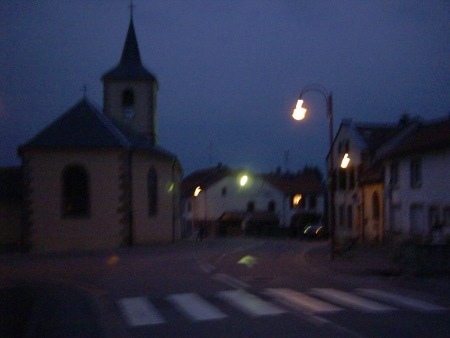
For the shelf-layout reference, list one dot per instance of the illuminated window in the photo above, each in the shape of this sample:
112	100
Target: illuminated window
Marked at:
297	200
75	192
152	192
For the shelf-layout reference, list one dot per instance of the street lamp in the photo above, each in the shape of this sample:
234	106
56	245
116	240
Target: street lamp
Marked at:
298	114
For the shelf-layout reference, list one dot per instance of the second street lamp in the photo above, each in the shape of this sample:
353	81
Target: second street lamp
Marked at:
298	114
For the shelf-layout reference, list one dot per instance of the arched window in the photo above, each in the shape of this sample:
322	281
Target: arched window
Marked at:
128	98
250	206
271	206
375	206
152	192
75	192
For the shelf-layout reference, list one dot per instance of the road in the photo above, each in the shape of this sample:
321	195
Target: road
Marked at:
214	288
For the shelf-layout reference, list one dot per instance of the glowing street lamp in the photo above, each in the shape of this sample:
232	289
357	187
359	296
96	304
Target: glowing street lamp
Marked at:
243	180
197	191
298	114
345	161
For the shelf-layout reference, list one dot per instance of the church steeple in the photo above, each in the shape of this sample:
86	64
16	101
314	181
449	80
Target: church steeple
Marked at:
130	90
130	52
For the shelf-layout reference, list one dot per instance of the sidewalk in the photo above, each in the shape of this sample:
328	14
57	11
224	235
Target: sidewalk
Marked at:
377	263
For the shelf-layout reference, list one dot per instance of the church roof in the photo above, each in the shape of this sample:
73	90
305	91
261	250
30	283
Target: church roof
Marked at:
130	66
85	126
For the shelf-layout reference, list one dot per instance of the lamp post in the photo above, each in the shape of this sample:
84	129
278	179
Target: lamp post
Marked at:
299	114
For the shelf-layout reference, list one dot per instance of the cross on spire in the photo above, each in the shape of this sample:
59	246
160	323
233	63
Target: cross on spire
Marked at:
131	8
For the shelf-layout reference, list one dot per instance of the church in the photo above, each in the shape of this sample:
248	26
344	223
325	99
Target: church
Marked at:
98	179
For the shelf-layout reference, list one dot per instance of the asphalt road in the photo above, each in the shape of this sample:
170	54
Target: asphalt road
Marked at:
214	288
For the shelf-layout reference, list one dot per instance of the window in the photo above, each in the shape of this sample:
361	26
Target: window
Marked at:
152	192
349	217
128	98
224	191
75	192
312	202
296	201
393	169
342	179
375	206
351	178
415	173
250	206
271	206
341	215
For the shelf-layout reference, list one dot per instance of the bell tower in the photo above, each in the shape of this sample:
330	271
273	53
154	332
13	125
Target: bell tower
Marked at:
130	91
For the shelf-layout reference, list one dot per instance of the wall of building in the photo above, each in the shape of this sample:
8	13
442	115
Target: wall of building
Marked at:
164	226
405	203
51	231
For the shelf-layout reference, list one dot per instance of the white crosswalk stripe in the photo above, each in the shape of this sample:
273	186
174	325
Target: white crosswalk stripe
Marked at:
301	301
250	304
196	307
399	300
138	311
350	300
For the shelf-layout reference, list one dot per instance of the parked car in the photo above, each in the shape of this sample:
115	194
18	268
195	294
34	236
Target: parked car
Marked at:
315	231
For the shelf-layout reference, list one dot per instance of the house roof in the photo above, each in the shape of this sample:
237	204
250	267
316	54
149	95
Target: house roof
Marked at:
85	126
204	178
306	183
130	66
434	135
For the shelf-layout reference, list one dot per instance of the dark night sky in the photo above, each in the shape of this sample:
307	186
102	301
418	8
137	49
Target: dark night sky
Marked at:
229	71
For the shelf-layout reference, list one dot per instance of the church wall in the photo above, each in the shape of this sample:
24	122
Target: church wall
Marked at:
164	226
51	231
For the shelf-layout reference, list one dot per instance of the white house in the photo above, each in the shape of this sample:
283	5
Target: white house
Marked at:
358	185
417	182
221	194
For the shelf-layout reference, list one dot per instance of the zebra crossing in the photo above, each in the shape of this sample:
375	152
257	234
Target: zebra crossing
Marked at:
140	311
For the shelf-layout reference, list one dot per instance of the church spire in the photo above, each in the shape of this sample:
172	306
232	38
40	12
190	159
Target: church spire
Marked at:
130	52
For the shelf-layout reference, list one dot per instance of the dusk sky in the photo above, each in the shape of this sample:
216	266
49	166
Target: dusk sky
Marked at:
229	71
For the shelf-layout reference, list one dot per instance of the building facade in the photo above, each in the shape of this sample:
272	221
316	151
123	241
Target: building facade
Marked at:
98	178
221	194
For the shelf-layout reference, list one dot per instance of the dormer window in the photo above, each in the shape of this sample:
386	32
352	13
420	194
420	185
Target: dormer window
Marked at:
128	103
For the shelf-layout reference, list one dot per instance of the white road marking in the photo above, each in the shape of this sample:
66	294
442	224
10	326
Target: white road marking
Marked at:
350	300
138	311
302	302
195	307
249	303
400	300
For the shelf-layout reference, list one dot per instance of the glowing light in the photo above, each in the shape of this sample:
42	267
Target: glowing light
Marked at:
345	161
197	191
248	261
296	199
299	112
243	181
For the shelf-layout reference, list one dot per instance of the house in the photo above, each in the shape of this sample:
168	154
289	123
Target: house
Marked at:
417	183
96	178
358	186
221	196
